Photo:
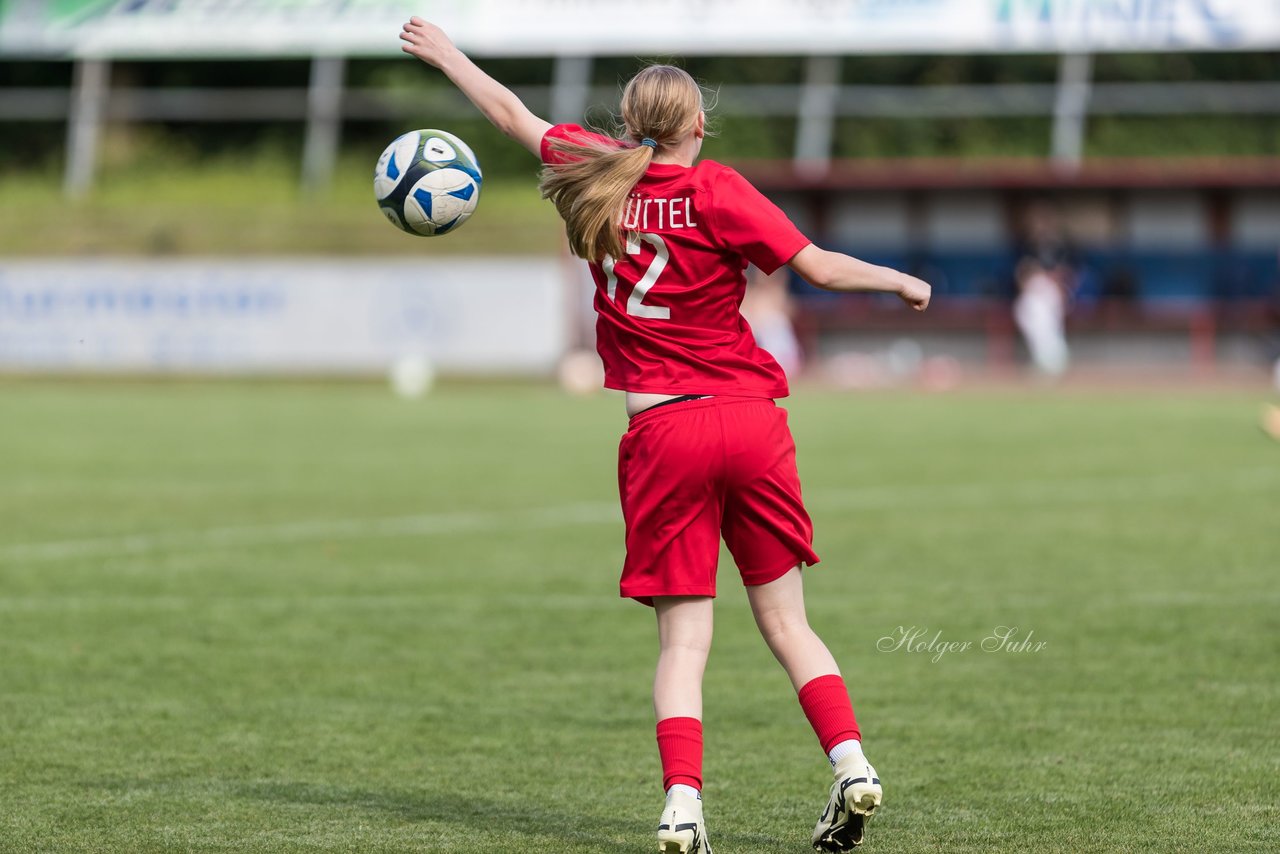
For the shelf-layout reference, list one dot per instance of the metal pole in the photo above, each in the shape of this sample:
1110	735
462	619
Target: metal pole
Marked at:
570	91
570	88
1075	72
88	99
816	119
324	121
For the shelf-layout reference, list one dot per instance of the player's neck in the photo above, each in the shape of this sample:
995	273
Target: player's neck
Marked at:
682	155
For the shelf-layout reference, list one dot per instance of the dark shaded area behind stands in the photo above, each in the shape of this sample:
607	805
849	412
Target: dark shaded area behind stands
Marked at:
1202	287
1141	278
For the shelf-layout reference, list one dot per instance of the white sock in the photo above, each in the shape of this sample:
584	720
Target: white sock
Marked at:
843	749
682	789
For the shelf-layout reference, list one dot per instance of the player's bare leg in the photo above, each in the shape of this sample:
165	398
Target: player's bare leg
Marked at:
779	611
684	641
856	793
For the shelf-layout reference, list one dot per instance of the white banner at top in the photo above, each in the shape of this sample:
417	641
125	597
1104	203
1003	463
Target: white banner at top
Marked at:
184	28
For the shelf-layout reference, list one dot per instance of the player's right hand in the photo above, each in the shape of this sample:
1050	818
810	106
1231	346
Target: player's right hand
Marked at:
915	292
426	41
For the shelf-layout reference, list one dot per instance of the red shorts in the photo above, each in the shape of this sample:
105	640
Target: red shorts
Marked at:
691	472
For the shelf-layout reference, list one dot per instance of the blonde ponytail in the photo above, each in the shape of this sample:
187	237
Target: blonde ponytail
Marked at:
591	182
590	189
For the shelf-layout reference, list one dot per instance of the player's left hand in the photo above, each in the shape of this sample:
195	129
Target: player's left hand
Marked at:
915	292
426	41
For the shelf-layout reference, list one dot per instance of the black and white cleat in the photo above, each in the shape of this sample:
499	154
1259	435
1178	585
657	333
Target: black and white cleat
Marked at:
855	796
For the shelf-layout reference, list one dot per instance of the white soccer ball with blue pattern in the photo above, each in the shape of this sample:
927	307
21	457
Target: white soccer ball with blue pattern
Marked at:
427	182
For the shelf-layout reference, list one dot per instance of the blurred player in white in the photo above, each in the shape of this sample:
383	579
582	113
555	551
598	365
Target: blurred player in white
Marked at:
1045	279
708	453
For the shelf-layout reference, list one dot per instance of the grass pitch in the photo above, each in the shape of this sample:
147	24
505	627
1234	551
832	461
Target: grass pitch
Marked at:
271	618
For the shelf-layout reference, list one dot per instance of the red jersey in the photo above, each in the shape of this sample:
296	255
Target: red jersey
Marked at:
667	318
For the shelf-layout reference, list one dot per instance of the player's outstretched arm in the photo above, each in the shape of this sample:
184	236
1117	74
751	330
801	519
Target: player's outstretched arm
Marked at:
835	271
498	103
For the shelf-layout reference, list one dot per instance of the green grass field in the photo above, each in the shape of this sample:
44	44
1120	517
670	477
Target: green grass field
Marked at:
269	618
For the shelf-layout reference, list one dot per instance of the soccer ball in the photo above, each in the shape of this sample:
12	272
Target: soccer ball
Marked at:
427	182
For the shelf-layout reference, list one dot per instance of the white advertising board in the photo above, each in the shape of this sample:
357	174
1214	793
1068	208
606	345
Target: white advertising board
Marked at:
281	316
182	28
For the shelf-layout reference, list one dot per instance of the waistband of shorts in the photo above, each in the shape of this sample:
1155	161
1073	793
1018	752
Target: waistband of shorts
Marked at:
660	411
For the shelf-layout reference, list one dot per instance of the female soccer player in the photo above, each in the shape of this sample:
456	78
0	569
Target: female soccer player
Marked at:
707	453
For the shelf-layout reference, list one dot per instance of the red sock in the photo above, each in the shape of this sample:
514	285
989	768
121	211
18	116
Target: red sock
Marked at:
830	712
680	746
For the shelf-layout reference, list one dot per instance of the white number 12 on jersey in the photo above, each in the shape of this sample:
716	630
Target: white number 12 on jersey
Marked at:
635	303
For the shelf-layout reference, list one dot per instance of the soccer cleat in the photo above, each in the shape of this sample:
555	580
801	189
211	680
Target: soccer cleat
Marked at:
855	795
682	830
